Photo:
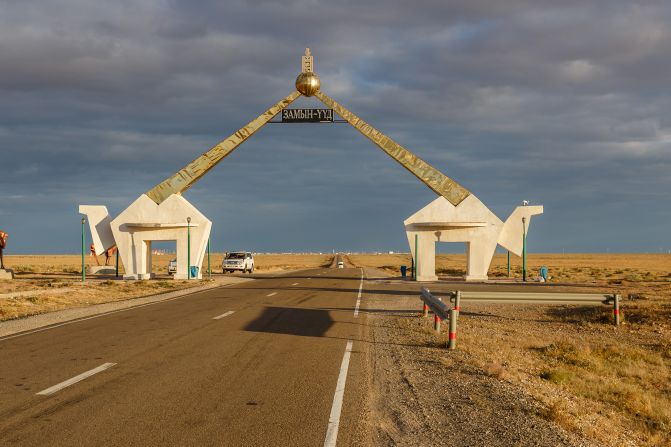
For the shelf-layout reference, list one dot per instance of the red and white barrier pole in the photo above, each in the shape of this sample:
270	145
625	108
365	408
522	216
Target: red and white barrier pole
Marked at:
452	341
616	309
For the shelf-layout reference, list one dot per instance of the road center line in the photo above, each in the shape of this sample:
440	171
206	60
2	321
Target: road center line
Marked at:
358	298
225	314
271	294
75	379
336	408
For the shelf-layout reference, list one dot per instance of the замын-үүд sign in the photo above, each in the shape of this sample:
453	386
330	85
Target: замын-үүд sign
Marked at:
307	115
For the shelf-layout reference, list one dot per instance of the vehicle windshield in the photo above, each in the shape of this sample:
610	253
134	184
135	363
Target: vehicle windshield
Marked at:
235	256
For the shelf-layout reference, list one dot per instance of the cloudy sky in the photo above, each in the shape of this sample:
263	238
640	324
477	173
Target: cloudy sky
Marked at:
564	104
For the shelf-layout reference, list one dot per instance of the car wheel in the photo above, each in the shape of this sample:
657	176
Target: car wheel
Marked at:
251	269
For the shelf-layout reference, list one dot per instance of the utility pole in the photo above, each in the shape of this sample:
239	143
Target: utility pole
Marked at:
83	248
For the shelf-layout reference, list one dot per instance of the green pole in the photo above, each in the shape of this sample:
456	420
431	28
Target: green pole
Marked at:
416	256
524	249
83	248
508	263
117	262
209	266
188	248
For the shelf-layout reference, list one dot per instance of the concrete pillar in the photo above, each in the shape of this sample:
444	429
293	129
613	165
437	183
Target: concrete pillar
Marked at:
426	262
479	255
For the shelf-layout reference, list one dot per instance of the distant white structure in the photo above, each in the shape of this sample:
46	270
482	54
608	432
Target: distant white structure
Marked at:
470	222
143	222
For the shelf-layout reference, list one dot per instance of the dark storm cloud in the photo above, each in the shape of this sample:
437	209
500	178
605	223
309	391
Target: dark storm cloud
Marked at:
563	103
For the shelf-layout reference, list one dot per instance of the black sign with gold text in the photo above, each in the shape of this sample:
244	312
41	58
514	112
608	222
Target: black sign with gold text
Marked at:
307	115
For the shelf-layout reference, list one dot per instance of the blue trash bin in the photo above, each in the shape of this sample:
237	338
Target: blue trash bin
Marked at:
194	271
404	270
544	273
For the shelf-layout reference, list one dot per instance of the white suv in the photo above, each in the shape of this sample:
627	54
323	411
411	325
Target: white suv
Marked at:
238	260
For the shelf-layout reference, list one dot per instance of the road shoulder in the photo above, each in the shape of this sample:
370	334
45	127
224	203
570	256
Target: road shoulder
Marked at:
35	322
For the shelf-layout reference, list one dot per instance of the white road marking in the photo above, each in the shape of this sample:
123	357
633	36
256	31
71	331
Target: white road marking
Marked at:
75	379
295	284
271	294
225	314
358	298
336	408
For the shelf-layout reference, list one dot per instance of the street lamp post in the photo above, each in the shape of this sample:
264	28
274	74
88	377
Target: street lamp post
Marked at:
524	249
188	248
83	248
508	263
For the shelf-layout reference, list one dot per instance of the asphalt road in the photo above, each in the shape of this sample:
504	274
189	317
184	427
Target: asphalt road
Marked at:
263	373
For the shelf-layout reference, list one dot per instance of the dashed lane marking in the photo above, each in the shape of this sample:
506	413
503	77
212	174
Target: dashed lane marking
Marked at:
225	314
295	284
51	390
271	294
358	298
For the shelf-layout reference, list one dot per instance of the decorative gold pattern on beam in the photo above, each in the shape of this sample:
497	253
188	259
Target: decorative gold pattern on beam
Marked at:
432	177
182	180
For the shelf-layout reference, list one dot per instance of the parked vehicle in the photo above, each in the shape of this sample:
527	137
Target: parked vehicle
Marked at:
172	267
341	265
238	260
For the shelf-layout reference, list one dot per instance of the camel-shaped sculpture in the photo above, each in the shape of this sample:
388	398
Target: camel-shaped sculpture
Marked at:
163	214
3	243
471	222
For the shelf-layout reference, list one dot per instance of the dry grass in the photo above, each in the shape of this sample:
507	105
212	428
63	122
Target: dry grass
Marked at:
582	268
611	385
632	379
50	295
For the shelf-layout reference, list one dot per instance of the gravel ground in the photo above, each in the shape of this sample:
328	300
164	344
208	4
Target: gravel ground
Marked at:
423	395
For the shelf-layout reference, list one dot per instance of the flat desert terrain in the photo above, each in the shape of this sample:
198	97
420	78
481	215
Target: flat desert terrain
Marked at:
597	384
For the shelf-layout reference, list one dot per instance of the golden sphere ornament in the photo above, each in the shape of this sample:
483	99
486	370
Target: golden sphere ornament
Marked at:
307	83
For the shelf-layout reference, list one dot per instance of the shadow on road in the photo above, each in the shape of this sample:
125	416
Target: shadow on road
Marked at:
292	321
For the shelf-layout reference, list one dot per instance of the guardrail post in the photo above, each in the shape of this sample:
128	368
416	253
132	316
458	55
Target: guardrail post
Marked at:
457	301
616	309
436	323
426	311
452	343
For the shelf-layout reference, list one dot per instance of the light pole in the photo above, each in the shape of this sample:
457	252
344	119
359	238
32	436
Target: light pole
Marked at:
508	263
524	249
209	266
83	248
416	264
188	248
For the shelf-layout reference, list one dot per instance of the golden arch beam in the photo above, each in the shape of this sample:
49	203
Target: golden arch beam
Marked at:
308	84
191	173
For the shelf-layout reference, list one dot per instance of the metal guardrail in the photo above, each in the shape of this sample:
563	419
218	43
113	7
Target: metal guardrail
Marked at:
443	312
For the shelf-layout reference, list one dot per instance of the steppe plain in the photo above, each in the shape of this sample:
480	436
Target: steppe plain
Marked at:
565	367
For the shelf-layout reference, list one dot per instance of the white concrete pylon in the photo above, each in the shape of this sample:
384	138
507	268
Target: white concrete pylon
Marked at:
470	222
143	222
